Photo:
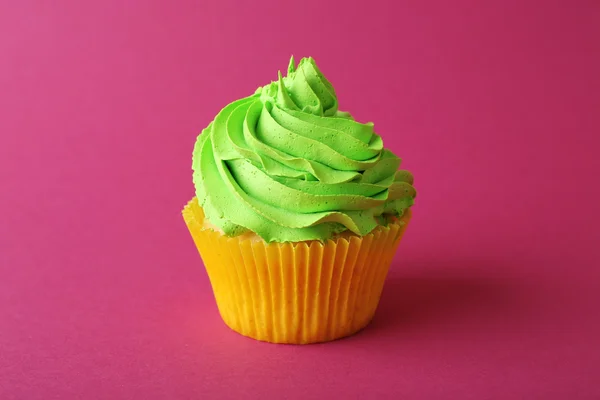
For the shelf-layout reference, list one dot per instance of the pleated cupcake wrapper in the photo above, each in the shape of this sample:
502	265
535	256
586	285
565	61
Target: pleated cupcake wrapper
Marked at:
303	292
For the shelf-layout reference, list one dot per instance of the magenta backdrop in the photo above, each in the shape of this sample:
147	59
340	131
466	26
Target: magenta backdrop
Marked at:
495	108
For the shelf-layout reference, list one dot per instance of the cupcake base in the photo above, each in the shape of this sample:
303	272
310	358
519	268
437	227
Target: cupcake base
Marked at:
299	293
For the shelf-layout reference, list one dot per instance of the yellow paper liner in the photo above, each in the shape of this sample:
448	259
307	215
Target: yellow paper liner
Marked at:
299	293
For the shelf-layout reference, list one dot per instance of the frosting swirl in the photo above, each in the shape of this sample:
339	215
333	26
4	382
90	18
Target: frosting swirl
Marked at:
286	164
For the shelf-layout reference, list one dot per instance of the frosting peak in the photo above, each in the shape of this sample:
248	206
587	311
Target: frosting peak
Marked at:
286	164
304	89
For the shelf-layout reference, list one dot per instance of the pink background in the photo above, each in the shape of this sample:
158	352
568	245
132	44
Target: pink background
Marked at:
495	108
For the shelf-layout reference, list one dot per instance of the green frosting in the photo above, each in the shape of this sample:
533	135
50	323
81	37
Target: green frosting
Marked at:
286	164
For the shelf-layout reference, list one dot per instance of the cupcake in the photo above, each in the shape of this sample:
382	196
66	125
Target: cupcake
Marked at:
298	212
